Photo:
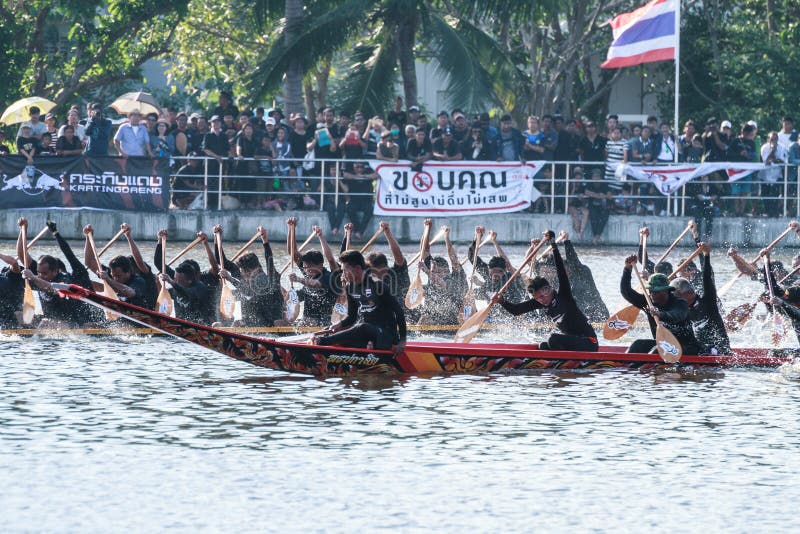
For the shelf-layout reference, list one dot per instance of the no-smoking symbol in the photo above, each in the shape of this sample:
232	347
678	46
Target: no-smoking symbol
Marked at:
422	181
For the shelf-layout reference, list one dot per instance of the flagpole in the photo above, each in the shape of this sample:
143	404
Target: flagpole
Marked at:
677	85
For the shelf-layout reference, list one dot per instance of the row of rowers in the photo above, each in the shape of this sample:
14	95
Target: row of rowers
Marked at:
257	283
563	291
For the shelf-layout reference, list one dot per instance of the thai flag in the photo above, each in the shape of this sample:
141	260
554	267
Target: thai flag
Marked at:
642	36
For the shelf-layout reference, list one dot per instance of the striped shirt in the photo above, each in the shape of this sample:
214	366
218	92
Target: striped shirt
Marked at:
616	152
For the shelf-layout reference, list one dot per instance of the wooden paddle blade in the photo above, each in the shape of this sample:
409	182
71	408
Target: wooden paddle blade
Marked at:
618	324
472	326
669	348
738	316
415	295
292	305
339	309
110	293
164	303
468	308
227	302
28	304
779	329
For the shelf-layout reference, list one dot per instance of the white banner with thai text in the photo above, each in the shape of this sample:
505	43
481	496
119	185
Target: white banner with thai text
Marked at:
455	188
669	179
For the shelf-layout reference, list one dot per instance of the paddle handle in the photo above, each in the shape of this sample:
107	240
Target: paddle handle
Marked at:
474	261
769	247
768	274
301	248
673	245
793	271
645	291
686	262
371	241
246	246
189	247
108	245
163	254
37	238
436	238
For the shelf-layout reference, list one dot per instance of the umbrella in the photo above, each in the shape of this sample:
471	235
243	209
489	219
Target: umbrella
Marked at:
139	101
19	111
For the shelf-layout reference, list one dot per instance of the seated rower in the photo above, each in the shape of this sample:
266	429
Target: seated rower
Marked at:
495	274
321	287
120	275
375	319
704	314
190	296
258	291
395	277
446	288
672	311
576	332
11	293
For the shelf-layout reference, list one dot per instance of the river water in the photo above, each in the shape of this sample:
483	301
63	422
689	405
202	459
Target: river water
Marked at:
150	434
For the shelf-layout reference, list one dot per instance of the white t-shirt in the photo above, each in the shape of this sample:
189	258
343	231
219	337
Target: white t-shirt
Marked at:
775	171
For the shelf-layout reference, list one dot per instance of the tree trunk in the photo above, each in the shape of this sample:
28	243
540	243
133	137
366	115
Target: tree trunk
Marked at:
406	34
293	84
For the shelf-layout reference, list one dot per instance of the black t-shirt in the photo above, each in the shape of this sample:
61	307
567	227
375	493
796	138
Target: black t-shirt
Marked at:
64	144
358	185
414	151
593	150
451	150
28	144
319	301
247	147
371	302
298	142
216	143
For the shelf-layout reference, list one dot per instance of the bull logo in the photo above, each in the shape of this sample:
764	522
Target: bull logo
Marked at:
31	181
668	348
618	324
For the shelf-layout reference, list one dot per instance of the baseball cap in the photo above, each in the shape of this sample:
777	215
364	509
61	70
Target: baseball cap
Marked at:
49	116
458	114
725	124
448	131
195	115
413	108
270	120
754	124
215	118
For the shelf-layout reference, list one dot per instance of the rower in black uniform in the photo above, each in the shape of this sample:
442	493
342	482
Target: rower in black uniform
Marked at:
49	270
375	319
704	314
396	277
11	293
120	275
258	291
192	297
321	287
576	334
672	311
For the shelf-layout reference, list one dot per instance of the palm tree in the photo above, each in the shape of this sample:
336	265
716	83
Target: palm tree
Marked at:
373	38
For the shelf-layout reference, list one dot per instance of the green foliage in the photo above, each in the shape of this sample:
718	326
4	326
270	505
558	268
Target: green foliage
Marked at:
753	74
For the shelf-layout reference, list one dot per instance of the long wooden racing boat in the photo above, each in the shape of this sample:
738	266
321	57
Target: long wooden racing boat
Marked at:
418	358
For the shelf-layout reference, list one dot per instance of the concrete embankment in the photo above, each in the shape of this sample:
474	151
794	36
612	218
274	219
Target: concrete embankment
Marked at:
240	225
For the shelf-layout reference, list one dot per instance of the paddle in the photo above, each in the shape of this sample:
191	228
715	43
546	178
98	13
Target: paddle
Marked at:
674	244
415	295
108	291
686	262
189	247
371	241
108	245
778	323
227	302
436	238
301	248
468	307
724	289
487	240
339	311
668	346
292	301
28	302
793	271
164	302
246	246
470	327
622	320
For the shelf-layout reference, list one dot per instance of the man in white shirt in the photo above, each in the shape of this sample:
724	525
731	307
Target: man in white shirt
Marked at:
37	127
787	134
132	138
775	156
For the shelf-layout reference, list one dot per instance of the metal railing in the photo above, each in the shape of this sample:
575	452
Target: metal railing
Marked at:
322	184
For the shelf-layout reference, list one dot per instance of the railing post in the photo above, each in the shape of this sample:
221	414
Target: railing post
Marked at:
205	182
566	189
219	189
785	189
552	188
336	187
322	185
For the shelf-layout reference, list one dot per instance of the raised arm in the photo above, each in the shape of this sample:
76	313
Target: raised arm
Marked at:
135	252
88	254
157	256
212	259
394	246
426	239
326	249
269	259
625	288
500	252
451	251
22	221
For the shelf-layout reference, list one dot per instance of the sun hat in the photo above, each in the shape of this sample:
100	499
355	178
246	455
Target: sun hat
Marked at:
659	282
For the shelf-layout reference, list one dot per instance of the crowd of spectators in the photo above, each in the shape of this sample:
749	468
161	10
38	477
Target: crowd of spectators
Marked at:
269	160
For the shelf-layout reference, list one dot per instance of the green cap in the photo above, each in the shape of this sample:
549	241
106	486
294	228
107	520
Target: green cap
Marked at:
659	282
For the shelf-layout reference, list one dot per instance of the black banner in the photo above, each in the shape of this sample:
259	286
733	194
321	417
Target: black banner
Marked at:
108	183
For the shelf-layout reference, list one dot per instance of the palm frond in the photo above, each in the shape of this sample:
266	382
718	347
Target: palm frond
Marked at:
316	37
371	73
